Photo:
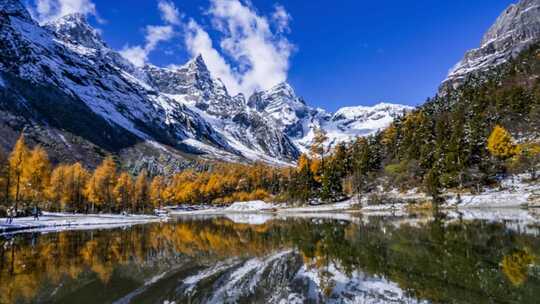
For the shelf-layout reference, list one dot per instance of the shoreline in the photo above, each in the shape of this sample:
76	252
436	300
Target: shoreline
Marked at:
489	200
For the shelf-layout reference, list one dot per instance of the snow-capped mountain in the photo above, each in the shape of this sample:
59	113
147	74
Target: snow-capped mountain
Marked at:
283	108
515	29
68	90
349	123
289	113
244	128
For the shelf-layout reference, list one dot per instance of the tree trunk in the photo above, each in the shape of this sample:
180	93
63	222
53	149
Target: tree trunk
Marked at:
8	185
17	189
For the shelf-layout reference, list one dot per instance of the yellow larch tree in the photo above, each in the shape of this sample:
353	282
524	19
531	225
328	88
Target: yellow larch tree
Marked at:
17	161
36	176
304	163
56	190
91	193
140	192
318	148
157	188
75	180
81	176
501	144
100	186
123	191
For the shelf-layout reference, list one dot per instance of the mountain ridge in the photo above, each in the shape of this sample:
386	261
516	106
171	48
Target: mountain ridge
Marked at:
516	28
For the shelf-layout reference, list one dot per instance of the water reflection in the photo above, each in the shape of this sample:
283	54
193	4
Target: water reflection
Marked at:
272	259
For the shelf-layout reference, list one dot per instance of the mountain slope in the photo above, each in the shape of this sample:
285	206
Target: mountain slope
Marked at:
443	144
71	81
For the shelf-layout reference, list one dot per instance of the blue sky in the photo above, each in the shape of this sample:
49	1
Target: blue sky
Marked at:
334	53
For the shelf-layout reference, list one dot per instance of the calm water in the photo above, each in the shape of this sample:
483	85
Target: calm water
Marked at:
264	259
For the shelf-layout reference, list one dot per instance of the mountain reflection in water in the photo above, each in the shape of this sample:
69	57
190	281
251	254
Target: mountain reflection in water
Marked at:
310	259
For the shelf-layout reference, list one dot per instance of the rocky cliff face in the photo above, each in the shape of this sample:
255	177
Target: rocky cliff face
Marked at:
517	28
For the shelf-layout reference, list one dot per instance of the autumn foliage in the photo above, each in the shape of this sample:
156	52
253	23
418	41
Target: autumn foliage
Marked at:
501	145
27	179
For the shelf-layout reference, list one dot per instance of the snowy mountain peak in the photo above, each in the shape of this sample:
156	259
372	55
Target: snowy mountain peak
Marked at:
277	97
374	113
284	89
14	8
197	64
199	61
349	123
192	78
363	111
514	30
75	29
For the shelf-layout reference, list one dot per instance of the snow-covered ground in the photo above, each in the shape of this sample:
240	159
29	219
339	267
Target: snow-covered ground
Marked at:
250	206
514	192
66	221
245	211
237	207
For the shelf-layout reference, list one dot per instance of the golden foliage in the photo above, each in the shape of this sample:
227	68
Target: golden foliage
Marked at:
123	191
70	187
35	175
515	266
157	191
17	160
501	144
99	189
303	163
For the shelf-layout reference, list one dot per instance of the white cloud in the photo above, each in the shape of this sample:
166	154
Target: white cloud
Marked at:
48	10
281	18
154	34
169	12
261	56
136	55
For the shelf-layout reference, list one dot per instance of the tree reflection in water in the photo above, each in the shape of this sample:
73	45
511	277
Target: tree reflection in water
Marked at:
459	262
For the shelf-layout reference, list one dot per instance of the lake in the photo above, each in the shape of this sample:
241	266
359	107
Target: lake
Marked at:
470	257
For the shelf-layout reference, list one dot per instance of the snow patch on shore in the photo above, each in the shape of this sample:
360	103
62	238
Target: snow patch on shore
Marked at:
65	221
250	206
